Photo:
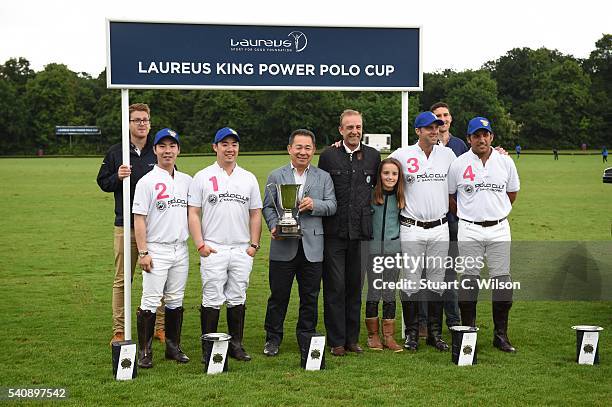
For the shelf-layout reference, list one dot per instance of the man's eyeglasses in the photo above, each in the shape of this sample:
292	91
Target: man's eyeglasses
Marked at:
140	121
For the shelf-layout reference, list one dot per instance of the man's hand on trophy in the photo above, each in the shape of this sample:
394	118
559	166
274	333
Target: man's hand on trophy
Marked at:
306	204
275	235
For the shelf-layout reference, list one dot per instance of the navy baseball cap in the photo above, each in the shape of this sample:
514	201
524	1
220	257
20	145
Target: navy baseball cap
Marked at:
478	123
424	119
225	132
163	133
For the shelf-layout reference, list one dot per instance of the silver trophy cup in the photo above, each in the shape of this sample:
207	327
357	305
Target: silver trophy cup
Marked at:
287	226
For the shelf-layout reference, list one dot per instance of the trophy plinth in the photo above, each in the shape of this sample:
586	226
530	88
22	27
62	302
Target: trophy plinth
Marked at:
288	226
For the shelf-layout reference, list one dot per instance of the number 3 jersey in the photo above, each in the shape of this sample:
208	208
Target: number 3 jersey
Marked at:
225	201
482	189
163	200
425	181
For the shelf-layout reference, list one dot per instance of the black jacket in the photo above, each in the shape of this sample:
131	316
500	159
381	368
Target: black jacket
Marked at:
353	180
108	180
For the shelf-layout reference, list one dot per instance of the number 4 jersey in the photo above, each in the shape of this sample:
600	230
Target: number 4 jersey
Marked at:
162	198
482	189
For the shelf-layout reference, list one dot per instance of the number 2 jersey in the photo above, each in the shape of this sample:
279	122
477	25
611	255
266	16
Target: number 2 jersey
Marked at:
163	200
225	201
482	189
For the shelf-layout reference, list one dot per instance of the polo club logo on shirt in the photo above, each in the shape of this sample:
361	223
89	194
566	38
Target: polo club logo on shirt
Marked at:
410	179
212	199
469	189
161	205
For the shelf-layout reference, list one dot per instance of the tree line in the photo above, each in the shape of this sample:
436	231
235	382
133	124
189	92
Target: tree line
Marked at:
538	98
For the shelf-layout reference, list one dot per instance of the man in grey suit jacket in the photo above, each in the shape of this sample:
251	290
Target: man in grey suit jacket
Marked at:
302	258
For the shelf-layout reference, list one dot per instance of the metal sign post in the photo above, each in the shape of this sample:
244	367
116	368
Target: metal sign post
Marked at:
127	224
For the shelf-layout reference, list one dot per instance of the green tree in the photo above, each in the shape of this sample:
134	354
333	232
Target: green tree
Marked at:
474	93
548	95
51	98
599	68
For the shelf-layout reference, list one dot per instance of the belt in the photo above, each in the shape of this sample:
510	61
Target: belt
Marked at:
425	225
486	223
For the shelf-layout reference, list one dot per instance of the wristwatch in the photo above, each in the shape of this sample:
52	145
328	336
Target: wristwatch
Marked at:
255	246
143	253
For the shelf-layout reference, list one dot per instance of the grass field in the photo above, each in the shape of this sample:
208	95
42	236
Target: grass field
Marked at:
56	273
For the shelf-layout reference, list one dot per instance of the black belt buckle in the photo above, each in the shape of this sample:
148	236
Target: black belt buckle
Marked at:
489	223
404	221
425	225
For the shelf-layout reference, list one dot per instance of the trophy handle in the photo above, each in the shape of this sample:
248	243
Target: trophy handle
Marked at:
274	201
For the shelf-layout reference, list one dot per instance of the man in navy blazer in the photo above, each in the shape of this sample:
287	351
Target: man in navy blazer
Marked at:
289	257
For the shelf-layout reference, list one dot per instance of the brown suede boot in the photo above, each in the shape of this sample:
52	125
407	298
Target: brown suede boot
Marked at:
374	342
388	330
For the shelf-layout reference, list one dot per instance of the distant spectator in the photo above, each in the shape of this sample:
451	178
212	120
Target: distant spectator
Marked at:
518	151
604	154
555	153
583	147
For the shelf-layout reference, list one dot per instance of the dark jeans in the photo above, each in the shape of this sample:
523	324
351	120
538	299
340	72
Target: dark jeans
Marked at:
376	291
342	283
308	276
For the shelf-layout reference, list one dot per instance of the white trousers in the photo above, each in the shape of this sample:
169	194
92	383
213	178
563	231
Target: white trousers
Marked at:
168	276
225	275
490	244
423	248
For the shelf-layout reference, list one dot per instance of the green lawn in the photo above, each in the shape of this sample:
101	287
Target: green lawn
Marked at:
57	272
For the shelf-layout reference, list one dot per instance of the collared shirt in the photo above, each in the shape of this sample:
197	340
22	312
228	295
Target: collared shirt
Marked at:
163	200
349	151
225	201
482	188
300	179
425	181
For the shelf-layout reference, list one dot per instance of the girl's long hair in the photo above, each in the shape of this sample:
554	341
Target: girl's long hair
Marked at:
399	187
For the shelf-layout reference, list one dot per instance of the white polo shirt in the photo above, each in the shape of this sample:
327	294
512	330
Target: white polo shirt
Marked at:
425	181
163	200
482	189
225	201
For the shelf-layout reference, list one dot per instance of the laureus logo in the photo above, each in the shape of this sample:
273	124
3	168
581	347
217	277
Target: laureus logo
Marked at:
296	42
300	40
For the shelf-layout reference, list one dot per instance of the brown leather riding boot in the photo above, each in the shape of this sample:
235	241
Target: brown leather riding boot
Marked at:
388	330
372	326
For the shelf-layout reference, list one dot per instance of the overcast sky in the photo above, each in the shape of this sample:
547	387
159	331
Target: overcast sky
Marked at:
457	34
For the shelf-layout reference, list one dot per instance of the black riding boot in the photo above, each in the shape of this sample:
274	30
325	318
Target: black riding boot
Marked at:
235	325
501	309
145	323
209	320
410	310
174	325
435	306
468	299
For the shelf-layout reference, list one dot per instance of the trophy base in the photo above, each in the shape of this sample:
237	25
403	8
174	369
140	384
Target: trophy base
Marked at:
289	232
